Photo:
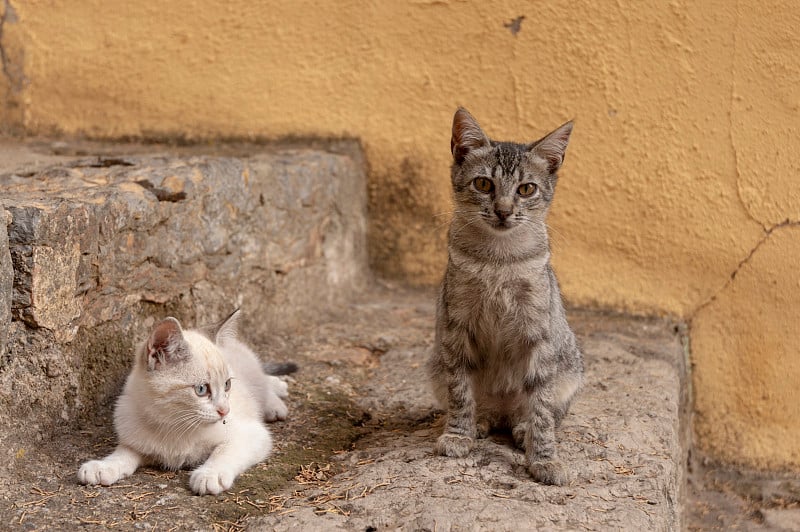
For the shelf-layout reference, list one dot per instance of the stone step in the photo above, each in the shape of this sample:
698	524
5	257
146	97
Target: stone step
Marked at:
357	450
97	247
623	442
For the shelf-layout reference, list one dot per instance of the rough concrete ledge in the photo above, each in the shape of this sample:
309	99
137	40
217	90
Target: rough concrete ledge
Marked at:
100	246
622	443
356	453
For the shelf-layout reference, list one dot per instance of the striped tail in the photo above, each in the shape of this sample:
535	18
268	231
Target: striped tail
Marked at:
279	368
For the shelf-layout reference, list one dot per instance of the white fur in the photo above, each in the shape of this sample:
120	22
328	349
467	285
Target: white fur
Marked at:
160	419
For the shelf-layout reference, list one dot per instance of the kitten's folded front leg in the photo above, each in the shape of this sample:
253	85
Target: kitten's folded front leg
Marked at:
116	466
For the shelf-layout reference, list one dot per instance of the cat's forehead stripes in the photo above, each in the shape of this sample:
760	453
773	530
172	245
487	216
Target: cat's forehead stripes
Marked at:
499	172
509	157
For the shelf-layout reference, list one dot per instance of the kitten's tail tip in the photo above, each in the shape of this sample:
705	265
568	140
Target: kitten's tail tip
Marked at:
279	368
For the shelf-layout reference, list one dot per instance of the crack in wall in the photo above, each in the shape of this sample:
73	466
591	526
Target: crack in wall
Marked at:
767	230
767	233
765	218
731	103
734	56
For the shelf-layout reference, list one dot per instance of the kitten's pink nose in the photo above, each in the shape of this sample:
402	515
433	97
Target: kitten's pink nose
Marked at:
503	209
222	411
502	215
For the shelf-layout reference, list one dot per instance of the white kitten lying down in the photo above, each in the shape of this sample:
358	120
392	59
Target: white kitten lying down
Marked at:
192	401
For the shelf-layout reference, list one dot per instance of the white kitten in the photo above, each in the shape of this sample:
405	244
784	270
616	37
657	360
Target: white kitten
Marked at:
190	401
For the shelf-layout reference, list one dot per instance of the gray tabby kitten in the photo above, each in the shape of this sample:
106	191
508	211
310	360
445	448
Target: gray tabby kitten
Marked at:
504	355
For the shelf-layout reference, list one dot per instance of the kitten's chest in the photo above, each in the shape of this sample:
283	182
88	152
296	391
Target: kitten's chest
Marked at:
499	307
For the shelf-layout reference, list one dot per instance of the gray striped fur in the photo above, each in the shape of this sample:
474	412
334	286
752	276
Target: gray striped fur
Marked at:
504	355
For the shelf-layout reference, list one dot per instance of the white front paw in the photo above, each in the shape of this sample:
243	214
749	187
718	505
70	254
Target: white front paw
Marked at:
99	472
207	480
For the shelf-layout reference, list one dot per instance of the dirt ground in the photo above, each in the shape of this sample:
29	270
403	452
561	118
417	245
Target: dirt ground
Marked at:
356	453
722	498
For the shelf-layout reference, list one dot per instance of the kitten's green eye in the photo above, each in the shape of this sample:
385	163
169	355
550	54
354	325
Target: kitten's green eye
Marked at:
527	189
482	184
227	385
201	389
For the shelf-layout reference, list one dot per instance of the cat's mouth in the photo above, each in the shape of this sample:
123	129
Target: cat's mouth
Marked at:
502	226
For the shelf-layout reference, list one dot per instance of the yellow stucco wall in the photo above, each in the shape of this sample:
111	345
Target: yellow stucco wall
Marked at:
684	158
12	79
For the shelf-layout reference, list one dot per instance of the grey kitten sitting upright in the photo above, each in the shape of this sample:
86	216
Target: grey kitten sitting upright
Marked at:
504	355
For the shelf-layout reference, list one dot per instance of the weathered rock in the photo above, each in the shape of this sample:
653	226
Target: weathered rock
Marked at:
6	283
357	450
102	246
622	443
782	519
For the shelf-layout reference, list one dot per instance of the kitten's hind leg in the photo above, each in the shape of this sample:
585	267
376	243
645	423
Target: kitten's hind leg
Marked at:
116	466
274	408
482	428
566	388
518	433
278	386
273	391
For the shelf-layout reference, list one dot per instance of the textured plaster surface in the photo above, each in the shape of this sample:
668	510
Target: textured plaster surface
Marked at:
746	396
683	159
765	107
12	78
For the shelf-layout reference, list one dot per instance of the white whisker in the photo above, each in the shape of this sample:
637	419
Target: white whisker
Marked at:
469	222
451	221
445	213
557	233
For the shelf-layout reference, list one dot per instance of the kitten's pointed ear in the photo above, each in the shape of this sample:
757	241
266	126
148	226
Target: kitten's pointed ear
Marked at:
165	345
467	135
223	329
553	146
227	328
